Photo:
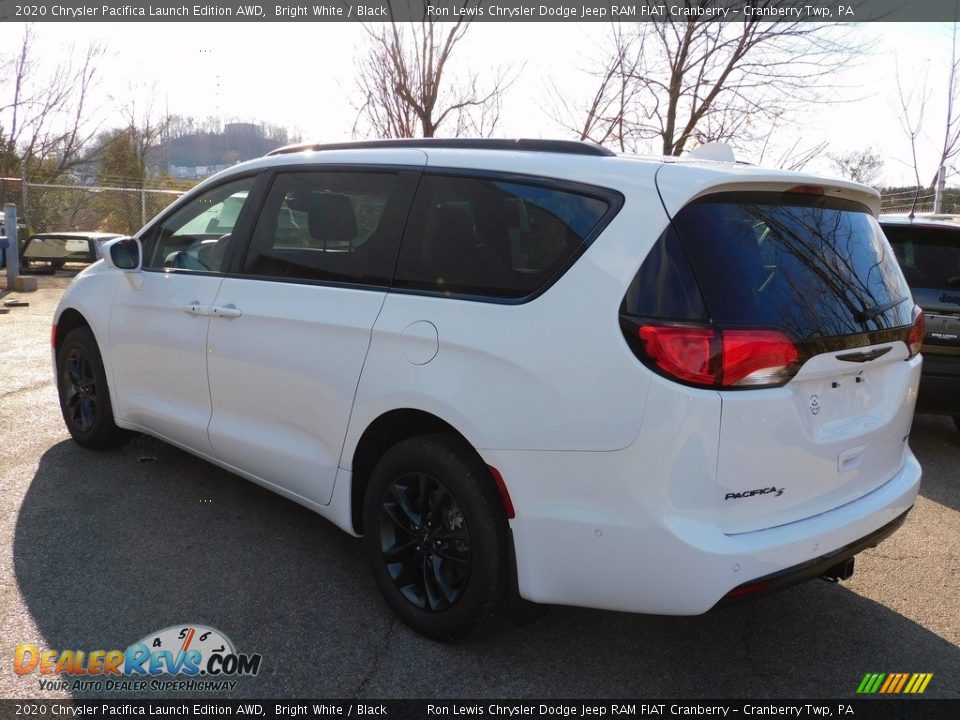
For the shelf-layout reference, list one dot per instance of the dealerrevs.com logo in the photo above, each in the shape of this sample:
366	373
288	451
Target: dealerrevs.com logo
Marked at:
205	656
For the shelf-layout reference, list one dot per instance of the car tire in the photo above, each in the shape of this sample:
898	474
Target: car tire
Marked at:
84	395
956	421
436	537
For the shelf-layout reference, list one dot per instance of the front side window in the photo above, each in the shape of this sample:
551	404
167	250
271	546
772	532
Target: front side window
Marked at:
490	237
333	226
196	237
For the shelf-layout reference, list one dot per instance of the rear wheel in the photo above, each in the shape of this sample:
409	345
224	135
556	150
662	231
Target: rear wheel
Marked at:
436	537
84	396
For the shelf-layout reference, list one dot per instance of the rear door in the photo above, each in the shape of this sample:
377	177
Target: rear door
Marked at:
818	270
290	330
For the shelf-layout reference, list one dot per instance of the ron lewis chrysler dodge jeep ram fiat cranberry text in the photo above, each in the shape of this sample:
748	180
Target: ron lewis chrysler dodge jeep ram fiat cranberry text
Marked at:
529	369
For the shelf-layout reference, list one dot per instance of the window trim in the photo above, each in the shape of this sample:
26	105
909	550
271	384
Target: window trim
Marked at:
263	182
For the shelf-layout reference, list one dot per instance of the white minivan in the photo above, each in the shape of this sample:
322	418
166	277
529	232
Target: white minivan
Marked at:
522	369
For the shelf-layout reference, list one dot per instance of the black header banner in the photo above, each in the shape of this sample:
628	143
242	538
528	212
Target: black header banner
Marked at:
880	709
478	10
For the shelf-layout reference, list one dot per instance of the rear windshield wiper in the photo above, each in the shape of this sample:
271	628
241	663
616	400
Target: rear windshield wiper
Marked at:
870	314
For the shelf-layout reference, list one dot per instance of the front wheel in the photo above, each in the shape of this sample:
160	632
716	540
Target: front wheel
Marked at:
436	537
84	396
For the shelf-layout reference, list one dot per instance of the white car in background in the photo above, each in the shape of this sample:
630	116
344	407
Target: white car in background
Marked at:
529	369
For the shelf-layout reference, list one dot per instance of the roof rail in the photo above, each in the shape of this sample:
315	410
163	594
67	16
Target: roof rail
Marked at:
569	147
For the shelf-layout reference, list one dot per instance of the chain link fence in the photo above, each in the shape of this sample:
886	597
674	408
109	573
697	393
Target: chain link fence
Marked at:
902	201
60	208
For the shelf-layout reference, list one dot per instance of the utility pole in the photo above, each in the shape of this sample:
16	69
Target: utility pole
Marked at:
941	186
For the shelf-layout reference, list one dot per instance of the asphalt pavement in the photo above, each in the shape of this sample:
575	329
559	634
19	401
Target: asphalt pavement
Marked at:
99	549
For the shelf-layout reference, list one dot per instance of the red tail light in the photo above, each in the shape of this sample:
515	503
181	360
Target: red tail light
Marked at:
917	331
758	357
688	353
720	358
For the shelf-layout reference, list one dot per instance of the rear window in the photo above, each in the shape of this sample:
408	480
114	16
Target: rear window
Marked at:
929	257
811	266
59	248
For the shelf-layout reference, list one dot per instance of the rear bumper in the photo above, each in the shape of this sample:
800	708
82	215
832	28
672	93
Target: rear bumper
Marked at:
584	538
813	568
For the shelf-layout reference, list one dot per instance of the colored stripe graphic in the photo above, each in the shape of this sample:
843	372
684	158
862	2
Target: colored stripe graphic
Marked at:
875	685
862	687
894	683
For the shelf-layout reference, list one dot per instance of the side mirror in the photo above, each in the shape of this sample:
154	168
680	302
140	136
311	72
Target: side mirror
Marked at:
123	254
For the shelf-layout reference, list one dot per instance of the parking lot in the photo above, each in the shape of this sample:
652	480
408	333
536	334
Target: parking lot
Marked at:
99	549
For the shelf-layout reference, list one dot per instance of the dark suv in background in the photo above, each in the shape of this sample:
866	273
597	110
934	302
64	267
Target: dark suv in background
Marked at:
928	248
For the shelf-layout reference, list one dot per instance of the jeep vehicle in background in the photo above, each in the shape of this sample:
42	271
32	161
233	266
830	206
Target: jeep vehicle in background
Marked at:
928	249
529	368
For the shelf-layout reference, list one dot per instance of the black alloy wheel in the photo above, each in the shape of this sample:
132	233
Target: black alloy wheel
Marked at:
80	389
424	542
84	395
436	537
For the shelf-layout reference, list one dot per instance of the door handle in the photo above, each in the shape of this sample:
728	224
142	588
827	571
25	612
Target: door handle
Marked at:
864	356
197	309
226	311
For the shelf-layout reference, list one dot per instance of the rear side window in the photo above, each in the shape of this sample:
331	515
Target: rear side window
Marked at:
333	226
493	238
811	266
929	257
665	287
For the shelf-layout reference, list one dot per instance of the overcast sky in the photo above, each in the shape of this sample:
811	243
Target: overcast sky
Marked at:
301	75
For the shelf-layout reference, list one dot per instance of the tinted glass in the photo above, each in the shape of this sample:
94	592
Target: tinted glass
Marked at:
490	237
665	286
929	257
328	226
196	236
812	266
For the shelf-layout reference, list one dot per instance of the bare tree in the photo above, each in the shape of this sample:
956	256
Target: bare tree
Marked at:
409	89
675	82
862	166
914	117
913	105
951	125
609	111
796	157
45	115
